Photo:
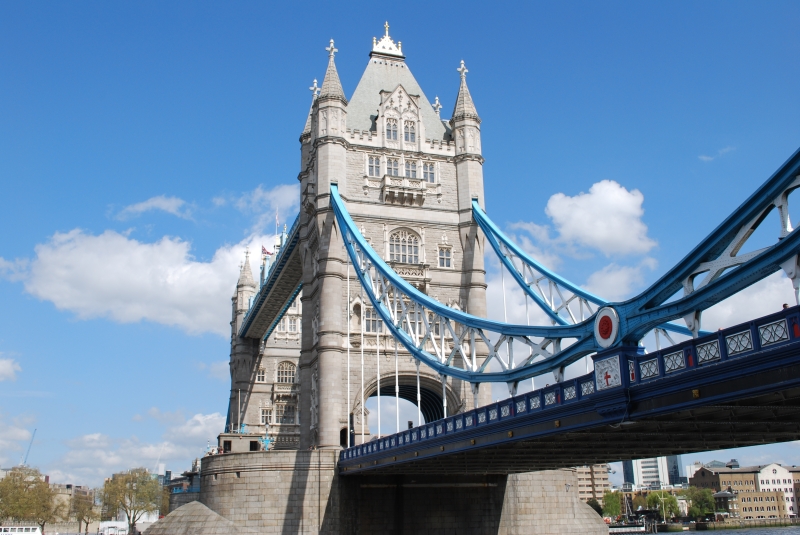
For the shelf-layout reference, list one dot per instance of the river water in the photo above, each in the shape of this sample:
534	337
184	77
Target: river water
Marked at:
793	530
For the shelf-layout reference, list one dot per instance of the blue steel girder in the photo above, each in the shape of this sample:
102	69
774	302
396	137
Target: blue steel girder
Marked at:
553	294
447	339
417	320
717	256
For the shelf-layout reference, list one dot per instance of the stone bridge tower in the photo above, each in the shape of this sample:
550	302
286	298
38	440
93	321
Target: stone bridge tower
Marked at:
408	178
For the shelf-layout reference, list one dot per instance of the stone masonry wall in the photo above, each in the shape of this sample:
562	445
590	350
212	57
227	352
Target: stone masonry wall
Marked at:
294	492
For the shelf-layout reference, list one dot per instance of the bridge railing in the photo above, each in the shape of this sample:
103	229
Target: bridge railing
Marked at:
739	341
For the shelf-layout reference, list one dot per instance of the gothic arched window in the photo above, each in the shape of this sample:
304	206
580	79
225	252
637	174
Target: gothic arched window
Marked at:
374	166
410	131
286	372
411	169
393	167
404	247
391	129
427	172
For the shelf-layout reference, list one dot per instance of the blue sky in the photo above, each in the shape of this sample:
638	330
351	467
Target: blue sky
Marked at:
144	145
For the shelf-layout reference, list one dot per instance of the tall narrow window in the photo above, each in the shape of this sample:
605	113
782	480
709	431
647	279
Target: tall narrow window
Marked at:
428	173
411	169
393	167
286	371
284	414
372	322
444	257
374	166
410	131
293	325
404	247
261	375
266	416
282	325
391	129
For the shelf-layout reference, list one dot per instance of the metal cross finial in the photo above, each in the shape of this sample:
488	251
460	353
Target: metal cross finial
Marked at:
437	106
314	89
387	28
463	70
331	50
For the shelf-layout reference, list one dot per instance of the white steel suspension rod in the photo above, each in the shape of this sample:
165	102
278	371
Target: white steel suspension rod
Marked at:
361	312
444	394
419	400
349	319
505	318
378	359
396	372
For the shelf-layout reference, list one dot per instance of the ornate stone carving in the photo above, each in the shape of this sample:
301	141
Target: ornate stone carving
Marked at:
315	325
403	191
314	398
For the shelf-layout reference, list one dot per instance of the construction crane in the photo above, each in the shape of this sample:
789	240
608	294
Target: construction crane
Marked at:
24	461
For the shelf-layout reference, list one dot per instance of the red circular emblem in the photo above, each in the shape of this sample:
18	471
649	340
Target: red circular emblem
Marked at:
605	327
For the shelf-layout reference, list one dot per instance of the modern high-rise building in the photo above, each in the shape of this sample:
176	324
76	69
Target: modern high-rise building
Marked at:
654	471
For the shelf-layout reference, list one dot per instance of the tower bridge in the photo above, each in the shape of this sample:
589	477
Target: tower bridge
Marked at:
379	288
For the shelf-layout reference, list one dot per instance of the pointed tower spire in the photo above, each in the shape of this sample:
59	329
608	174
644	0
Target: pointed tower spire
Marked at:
314	94
246	274
331	86
465	108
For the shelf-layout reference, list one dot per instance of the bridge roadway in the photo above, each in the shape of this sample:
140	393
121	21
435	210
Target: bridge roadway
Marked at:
736	387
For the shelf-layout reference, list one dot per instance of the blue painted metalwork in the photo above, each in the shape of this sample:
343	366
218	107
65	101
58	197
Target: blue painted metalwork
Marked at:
531	274
679	368
414	317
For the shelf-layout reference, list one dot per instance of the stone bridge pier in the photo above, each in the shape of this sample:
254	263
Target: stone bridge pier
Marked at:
299	492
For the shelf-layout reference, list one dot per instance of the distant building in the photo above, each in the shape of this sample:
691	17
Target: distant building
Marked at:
653	472
592	482
764	491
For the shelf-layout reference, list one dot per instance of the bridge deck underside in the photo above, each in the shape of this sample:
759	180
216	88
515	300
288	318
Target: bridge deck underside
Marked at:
744	407
763	420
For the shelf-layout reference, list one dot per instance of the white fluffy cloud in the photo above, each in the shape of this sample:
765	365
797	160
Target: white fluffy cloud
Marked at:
9	369
94	456
114	276
607	219
170	205
14	438
617	283
762	298
266	204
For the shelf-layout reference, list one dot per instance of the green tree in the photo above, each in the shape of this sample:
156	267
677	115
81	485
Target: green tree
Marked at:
612	505
701	501
163	509
25	496
639	501
81	506
134	493
665	502
594	504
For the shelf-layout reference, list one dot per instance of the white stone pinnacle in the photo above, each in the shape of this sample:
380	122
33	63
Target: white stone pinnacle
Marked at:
331	50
